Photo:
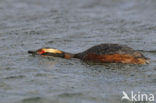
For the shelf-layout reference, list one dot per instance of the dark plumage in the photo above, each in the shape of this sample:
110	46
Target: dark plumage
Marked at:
103	49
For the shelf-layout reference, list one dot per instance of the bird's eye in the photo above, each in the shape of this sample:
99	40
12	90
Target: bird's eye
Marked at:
40	52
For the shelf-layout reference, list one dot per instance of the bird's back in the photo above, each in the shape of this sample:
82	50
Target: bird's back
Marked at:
108	49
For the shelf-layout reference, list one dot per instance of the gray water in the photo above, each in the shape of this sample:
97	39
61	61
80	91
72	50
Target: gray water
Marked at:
74	26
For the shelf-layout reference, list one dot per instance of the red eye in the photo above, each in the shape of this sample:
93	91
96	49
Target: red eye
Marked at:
40	52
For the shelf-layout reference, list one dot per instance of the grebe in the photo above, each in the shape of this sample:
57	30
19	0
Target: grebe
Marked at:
102	53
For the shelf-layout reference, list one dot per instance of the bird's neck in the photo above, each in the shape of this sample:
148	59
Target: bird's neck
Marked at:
68	55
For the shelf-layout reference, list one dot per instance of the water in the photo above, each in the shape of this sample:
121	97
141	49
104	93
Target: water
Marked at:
73	26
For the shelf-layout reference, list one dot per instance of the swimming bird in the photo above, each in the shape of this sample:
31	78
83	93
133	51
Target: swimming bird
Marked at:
102	53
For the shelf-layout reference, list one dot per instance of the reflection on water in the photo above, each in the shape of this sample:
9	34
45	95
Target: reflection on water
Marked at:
73	26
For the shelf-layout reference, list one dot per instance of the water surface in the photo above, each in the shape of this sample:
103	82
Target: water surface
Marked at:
73	26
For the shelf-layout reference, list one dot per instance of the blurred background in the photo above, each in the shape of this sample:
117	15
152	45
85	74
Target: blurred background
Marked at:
74	26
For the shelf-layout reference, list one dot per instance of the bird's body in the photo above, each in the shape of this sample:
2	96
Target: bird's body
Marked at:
103	53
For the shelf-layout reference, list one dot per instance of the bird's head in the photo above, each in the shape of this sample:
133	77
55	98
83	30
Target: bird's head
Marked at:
48	52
